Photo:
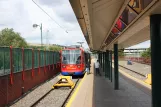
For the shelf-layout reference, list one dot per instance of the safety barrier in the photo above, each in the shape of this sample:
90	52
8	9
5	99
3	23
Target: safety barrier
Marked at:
148	80
136	59
22	69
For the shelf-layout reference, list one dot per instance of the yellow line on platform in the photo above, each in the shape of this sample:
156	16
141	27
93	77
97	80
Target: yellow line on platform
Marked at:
75	92
135	79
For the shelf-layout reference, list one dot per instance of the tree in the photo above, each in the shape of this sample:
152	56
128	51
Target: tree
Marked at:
121	53
10	38
146	53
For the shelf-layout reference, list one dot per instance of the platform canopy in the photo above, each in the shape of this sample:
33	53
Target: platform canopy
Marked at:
105	22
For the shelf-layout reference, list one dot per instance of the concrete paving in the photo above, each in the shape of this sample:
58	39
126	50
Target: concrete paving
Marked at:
138	67
98	91
127	95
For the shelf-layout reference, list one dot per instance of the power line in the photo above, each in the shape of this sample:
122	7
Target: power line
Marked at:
49	16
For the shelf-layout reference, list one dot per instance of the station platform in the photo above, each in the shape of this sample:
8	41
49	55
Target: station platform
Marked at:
98	91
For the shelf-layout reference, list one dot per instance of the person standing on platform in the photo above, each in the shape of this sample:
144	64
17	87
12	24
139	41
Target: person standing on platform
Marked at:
87	68
97	66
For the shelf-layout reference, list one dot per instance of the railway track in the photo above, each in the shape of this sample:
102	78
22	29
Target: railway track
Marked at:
51	93
138	73
67	98
133	71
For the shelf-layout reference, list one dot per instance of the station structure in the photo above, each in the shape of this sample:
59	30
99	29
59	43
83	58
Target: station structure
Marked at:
108	26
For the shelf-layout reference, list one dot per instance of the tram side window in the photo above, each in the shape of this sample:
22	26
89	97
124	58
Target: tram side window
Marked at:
78	60
64	60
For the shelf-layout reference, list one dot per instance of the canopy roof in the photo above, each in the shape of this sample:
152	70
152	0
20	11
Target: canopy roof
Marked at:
105	22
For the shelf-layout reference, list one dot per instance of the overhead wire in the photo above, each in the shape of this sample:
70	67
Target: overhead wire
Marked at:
50	16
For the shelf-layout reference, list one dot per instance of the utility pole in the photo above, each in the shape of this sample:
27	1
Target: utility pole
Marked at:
80	43
35	26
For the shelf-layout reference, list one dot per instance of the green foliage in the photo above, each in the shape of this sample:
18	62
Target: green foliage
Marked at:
55	48
37	47
10	38
121	53
147	53
50	48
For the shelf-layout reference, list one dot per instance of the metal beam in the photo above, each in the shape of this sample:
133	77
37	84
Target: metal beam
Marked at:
123	22
130	8
118	29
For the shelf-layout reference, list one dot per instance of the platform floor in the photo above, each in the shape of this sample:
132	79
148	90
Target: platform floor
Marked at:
98	91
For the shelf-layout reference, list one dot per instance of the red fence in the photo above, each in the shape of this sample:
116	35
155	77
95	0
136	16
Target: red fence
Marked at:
140	60
136	59
21	77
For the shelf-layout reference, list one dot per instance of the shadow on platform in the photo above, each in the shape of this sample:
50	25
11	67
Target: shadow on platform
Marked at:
130	93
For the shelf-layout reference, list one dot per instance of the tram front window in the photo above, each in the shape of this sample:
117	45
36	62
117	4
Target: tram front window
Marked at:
71	57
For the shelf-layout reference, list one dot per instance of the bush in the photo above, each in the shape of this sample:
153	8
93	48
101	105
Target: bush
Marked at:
147	53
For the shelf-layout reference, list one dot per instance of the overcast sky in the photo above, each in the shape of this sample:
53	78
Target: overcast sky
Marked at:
22	14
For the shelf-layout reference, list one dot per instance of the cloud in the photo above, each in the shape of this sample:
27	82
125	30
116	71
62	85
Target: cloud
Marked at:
62	8
14	15
52	3
22	14
145	44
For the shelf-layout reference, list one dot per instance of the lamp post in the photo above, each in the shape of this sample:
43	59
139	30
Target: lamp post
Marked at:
80	43
35	26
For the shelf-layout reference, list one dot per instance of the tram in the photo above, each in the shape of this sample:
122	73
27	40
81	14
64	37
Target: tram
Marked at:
73	61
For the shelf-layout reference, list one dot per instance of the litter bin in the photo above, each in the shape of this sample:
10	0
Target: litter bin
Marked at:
129	62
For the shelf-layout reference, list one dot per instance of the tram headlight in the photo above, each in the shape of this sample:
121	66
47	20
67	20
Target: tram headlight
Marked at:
78	66
63	66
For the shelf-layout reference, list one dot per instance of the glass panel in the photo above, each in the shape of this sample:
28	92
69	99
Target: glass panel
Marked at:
71	56
134	8
110	38
51	58
128	16
113	36
42	62
28	58
36	58
4	60
139	5
47	57
57	57
17	59
145	3
54	57
115	31
120	25
136	5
